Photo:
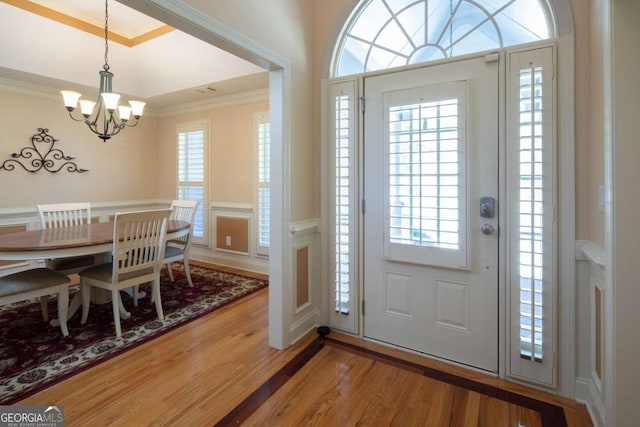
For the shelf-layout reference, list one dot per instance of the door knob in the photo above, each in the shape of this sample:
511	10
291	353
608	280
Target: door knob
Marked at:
487	229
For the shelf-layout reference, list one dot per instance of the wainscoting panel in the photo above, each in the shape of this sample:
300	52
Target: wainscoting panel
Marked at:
305	295
302	278
591	298
232	234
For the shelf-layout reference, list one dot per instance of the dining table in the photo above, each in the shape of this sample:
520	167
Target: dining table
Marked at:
76	240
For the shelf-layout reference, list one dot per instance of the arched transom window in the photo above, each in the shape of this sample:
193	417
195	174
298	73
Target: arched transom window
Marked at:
391	33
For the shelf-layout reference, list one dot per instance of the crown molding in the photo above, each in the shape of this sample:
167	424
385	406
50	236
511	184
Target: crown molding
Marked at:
29	89
39	91
218	102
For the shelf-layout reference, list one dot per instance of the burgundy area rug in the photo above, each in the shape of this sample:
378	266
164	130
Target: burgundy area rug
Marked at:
35	355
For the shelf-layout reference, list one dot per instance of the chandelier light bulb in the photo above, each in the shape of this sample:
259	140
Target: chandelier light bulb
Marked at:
110	101
70	99
136	108
124	112
86	107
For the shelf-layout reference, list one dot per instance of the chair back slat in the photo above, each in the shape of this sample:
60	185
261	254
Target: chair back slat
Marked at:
64	214
139	240
184	210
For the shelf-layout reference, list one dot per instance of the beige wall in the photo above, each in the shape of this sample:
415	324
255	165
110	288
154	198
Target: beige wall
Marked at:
137	164
231	155
121	169
594	164
284	27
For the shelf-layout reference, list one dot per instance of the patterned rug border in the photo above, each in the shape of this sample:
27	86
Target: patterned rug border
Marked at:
129	340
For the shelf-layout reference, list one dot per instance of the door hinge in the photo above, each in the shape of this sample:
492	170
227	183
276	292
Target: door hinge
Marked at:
363	307
362	206
362	104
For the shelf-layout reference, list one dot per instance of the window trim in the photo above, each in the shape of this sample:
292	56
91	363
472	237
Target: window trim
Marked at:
340	320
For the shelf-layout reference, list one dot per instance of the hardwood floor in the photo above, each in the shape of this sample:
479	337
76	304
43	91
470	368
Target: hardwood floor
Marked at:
219	370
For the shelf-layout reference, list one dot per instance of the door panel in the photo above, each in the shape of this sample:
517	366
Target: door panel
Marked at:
431	251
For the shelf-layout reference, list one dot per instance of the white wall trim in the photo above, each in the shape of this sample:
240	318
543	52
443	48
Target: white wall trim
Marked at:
212	104
594	254
305	227
25	211
589	390
585	392
97	209
304	324
232	207
257	265
30	89
44	92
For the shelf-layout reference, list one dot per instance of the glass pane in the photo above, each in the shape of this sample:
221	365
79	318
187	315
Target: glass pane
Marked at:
264	177
194	192
191	172
393	33
342	219
531	196
264	150
412	20
424	174
263	217
191	156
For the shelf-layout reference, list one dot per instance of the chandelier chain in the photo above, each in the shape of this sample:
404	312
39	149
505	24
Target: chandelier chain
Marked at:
106	35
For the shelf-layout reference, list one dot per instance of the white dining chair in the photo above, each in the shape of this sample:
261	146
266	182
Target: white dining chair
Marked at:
178	249
139	239
58	215
34	283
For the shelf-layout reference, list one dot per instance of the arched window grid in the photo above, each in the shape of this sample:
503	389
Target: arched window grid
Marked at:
403	36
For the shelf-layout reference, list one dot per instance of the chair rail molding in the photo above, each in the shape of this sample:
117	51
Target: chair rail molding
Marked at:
306	226
231	207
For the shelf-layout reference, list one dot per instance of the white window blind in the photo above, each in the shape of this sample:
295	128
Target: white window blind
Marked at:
344	206
192	140
424	174
263	147
532	230
343	211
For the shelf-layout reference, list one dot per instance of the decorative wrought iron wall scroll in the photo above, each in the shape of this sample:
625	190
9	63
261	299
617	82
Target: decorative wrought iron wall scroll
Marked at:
42	155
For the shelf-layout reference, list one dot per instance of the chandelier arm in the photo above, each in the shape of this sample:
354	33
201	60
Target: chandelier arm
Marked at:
130	125
81	119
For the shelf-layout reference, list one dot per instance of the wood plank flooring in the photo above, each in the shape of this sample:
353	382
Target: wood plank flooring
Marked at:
219	369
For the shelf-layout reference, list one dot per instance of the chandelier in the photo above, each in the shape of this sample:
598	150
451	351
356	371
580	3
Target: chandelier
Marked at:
104	117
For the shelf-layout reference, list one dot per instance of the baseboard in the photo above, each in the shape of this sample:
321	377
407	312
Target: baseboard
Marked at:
303	326
587	394
256	265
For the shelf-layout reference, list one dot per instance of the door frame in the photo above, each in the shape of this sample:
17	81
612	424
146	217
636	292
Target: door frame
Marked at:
565	323
568	384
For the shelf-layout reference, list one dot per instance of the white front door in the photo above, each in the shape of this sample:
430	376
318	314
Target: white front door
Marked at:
430	249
